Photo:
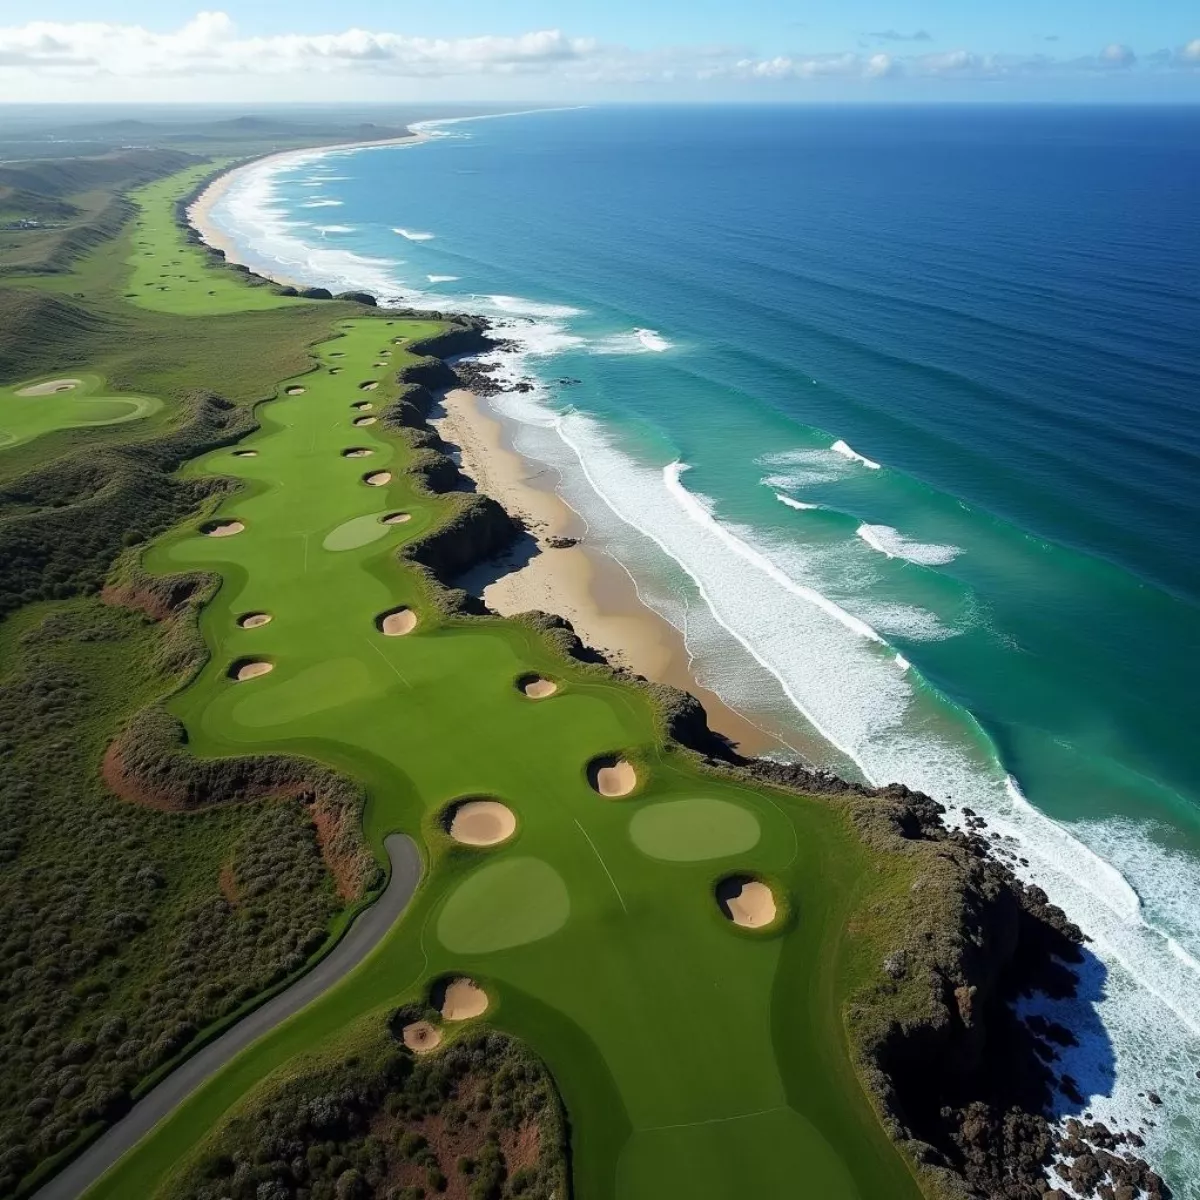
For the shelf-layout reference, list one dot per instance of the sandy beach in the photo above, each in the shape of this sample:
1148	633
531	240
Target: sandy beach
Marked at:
581	582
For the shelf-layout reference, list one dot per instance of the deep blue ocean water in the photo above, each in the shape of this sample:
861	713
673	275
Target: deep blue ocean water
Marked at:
894	413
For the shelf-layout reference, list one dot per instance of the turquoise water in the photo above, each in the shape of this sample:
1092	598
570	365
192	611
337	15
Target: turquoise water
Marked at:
893	414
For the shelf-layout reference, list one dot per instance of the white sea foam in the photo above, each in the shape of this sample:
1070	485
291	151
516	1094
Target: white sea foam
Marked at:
323	204
652	340
894	544
323	230
518	306
799	505
442	278
840	447
413	235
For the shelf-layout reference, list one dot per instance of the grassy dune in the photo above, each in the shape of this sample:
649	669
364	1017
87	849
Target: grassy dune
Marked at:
694	1058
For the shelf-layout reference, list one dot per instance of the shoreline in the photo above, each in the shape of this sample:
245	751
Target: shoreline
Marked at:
199	212
578	582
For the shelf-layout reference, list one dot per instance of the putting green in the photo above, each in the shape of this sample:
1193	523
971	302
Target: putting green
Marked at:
693	1060
358	531
508	903
85	402
694	830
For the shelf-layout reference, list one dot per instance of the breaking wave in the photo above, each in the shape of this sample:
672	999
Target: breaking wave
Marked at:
894	544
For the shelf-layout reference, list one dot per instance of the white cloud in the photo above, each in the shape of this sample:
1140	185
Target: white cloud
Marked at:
1117	55
110	56
210	42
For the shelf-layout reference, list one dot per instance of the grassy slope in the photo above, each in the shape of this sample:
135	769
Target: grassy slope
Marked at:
665	1028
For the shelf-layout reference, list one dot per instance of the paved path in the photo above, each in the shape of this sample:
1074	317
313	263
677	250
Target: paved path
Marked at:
361	938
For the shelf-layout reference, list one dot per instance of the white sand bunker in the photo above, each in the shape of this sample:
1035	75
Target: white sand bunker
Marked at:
612	776
245	454
421	1037
357	452
537	688
397	623
293	391
362	406
52	388
254	620
369	386
460	999
397	518
747	902
362	422
246	668
378	479
482	822
223	528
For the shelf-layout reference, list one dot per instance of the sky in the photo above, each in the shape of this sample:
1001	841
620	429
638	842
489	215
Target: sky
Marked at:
1097	51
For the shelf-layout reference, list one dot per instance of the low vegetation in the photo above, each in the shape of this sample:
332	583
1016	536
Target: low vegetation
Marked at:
123	931
479	1120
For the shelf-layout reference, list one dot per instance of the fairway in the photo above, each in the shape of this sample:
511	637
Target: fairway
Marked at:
36	407
694	1057
172	276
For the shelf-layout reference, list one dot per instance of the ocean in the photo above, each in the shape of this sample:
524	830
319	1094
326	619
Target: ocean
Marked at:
893	412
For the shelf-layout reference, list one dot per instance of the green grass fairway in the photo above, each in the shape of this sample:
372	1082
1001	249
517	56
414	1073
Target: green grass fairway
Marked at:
696	1059
25	417
172	276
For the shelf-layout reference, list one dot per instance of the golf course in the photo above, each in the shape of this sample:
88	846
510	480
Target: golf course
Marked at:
672	944
693	1055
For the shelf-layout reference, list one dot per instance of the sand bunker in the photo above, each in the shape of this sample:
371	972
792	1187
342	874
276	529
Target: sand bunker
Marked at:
357	452
378	479
52	388
747	902
612	776
223	528
362	406
361	422
460	999
397	623
254	620
293	391
421	1037
245	454
369	386
537	688
246	668
397	518
482	823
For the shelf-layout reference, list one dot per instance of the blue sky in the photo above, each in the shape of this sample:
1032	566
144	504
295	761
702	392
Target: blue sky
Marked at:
1087	50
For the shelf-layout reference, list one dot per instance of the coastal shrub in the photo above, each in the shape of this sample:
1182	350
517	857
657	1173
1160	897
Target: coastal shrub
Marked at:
377	1121
124	931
